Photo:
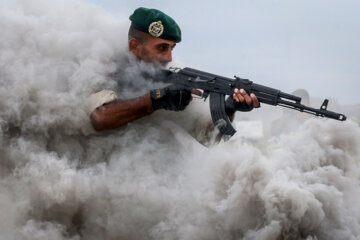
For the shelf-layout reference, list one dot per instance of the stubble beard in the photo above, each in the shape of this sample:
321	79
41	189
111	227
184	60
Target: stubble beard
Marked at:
149	58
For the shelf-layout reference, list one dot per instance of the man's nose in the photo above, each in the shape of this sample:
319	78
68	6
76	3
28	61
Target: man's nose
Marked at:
168	55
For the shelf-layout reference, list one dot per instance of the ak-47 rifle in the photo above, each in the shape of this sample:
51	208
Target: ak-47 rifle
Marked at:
218	87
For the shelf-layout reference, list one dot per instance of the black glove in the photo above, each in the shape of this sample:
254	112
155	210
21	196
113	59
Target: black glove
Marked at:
231	106
174	98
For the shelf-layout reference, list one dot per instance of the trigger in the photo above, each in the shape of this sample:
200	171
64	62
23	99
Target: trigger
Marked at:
205	95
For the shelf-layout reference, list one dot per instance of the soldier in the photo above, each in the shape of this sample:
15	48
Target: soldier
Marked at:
152	37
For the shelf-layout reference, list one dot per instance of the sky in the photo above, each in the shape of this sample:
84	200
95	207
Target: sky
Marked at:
279	43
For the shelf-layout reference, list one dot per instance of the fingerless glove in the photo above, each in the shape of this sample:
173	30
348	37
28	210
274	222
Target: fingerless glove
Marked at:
173	98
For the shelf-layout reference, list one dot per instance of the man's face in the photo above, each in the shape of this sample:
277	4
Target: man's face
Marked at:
153	50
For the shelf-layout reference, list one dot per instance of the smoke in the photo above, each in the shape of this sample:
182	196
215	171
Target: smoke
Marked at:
151	179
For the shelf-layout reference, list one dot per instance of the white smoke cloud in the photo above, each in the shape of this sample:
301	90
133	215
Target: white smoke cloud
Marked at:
151	179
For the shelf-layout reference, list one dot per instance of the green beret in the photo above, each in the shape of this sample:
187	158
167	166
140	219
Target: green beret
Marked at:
156	23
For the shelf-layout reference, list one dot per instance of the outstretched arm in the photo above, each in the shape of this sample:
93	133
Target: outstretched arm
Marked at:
118	113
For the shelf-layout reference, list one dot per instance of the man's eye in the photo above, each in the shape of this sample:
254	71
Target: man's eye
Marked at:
162	47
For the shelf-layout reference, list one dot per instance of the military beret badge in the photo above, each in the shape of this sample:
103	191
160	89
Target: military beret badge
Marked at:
156	29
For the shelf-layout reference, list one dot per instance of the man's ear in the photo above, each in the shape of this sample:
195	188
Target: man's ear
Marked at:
134	46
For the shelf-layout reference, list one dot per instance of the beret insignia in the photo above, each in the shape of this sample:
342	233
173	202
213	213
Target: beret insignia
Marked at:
156	29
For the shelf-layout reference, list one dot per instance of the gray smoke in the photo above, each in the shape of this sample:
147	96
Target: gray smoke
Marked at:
151	179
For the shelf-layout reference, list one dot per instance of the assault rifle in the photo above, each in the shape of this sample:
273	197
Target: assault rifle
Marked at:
218	87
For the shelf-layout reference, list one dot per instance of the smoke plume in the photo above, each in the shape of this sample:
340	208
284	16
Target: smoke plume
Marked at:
59	179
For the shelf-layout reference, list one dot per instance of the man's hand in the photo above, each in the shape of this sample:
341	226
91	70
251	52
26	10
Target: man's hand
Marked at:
241	96
174	98
241	101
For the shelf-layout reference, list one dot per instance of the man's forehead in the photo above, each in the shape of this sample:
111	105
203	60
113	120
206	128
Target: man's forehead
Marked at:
157	41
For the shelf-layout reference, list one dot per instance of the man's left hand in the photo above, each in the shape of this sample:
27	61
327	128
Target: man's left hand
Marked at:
241	101
242	97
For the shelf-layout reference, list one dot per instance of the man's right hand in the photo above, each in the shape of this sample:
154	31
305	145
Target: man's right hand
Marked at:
173	98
